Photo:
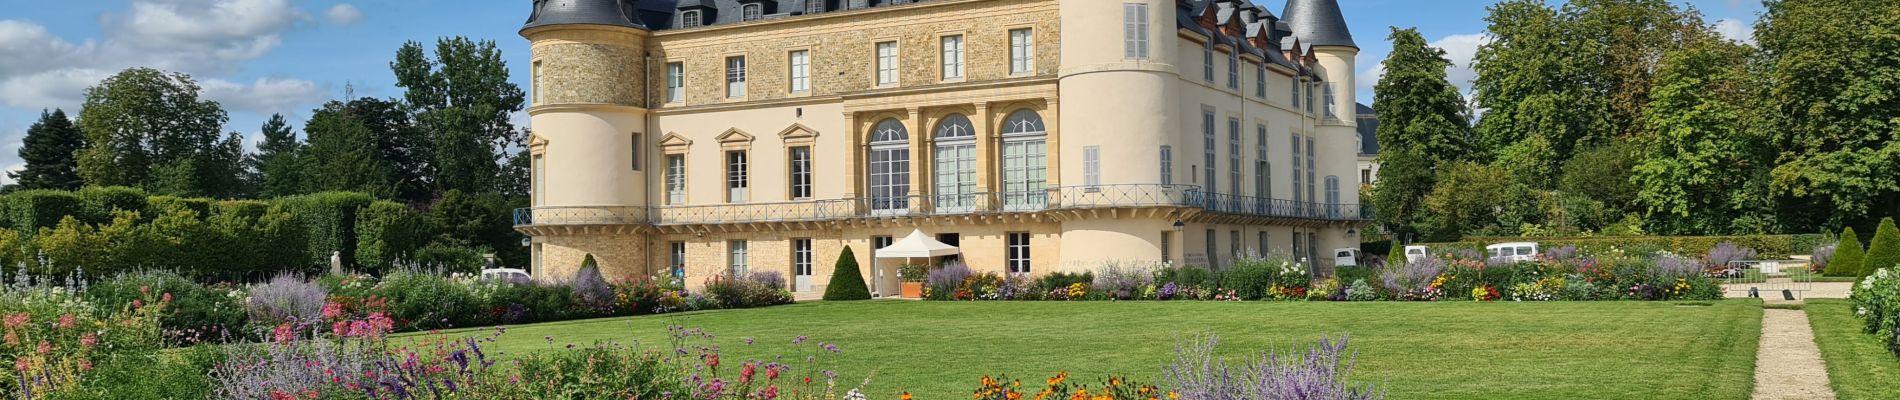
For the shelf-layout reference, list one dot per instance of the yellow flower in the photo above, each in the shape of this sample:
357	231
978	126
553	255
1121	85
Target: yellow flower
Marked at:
1173	395
1114	381
1014	396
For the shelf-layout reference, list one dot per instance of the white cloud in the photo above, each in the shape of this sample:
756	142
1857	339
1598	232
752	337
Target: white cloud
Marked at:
264	96
1460	49
60	88
343	14
1736	30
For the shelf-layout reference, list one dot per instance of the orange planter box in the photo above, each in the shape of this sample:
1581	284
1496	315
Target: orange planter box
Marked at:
913	290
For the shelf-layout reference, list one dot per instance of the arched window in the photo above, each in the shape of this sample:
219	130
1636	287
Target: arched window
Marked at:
890	167
956	164
1025	161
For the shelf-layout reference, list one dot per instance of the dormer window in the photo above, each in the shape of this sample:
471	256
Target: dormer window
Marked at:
814	6
751	12
689	18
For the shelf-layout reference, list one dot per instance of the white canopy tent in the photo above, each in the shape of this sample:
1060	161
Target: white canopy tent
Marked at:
917	245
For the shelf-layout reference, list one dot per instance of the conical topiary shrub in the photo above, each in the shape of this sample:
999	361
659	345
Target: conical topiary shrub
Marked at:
1847	256
1884	251
846	282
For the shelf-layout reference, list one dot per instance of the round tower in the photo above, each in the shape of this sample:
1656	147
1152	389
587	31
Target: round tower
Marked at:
588	117
1320	24
1120	96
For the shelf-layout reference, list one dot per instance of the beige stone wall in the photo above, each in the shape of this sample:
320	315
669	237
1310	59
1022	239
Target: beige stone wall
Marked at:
618	255
588	64
842	48
984	247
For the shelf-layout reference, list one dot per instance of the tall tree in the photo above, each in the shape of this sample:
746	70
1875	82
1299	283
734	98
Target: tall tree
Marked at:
1531	88
148	128
278	164
1832	102
365	145
50	150
1631	37
1422	123
463	99
1704	167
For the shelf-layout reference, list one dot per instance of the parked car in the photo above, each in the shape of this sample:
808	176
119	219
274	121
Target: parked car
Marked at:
1415	253
510	275
1346	257
1512	252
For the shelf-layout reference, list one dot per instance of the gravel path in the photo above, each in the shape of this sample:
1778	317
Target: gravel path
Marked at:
1788	365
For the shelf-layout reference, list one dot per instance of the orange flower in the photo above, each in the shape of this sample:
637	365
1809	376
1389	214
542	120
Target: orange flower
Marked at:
1082	394
1014	396
906	396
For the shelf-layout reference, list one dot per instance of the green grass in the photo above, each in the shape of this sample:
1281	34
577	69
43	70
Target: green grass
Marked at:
1449	350
1857	363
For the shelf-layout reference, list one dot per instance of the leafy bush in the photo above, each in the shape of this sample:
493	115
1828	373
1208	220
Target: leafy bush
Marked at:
1064	280
1877	301
758	289
329	220
590	288
1320	372
420	300
1884	250
387	232
197	313
1848	256
1822	255
99	202
449	258
846	282
1123	282
32	210
287	299
56	339
1769	246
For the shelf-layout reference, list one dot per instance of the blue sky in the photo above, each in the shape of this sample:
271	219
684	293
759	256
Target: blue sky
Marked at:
260	57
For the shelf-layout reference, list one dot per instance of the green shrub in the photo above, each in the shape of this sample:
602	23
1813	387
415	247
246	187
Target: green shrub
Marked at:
177	374
449	258
846	282
1250	278
196	314
99	202
1848	256
1884	250
387	232
1056	280
329	220
479	220
1767	246
31	210
420	301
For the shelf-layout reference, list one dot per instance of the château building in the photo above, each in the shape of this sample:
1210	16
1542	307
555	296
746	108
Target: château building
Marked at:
716	137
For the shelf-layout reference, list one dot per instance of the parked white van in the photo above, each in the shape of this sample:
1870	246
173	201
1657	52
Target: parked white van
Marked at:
1347	257
1415	253
1512	252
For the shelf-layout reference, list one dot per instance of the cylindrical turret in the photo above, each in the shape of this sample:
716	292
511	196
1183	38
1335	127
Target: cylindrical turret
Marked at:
589	96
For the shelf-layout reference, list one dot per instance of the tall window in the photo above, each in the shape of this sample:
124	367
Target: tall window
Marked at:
751	12
675	82
814	6
1297	82
1233	70
801	257
1365	177
540	179
689	18
890	167
956	164
1262	238
1233	157
1310	171
1262	178
1167	165
1299	247
800	62
801	173
1207	63
1331	111
1018	252
1332	195
677	264
634	150
737	258
1167	246
1025	161
1207	150
1260	81
1135	31
1092	165
537	82
1213	254
676	179
887	63
952	57
736	177
735	77
1233	245
1309	97
1022	51
1299	168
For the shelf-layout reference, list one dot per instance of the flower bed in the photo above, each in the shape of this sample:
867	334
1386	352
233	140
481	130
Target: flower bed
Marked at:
1562	274
1877	302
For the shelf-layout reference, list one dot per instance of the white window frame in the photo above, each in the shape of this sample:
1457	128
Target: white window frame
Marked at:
676	266
801	173
1092	165
540	166
1263	168
1260	81
1207	63
1022	51
1135	31
1207	151
751	12
800	71
1017	254
538	88
738	176
952	54
1311	172
1332	111
690	19
735	77
1233	157
1299	171
1025	161
736	258
802	257
1167	165
956	164
1297	82
886	63
675	179
675	82
889	162
814	7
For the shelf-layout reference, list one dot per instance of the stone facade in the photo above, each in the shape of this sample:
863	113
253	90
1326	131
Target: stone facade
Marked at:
589	66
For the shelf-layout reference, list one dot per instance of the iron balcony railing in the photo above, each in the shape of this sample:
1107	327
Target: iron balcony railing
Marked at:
1057	198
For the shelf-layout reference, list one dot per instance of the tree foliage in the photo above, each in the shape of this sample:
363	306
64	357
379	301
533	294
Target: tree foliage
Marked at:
1704	163
50	150
279	167
1833	106
463	99
149	129
1422	124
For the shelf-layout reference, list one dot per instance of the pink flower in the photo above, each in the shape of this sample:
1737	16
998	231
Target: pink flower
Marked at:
283	334
17	320
67	321
340	328
89	340
136	303
45	347
746	372
166	298
21	364
712	360
771	392
332	310
85	364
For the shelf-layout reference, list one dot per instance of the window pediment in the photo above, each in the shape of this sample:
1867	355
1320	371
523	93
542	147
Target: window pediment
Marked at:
735	139
674	143
797	135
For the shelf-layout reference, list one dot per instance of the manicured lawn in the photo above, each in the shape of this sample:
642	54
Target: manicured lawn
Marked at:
1450	350
1857	363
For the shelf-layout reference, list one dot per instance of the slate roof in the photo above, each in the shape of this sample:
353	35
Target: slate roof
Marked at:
1368	130
1318	22
582	12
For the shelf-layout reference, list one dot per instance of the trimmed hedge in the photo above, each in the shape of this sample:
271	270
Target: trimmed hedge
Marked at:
1848	256
846	282
1768	246
387	232
329	220
1884	250
31	210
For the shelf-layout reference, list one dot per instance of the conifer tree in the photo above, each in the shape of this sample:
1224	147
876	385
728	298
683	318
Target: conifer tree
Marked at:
846	282
50	151
1847	256
1884	251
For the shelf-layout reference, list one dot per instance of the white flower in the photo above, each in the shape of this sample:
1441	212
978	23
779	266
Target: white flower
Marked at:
853	395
